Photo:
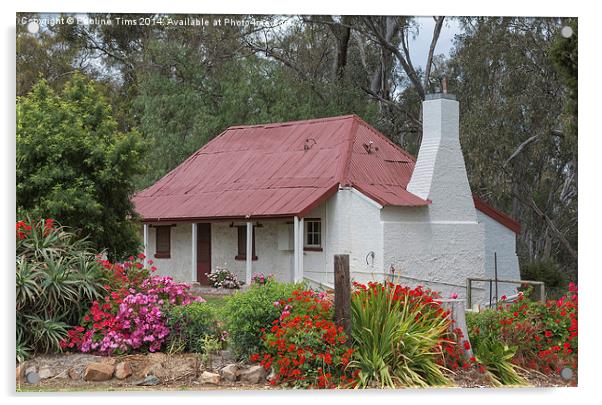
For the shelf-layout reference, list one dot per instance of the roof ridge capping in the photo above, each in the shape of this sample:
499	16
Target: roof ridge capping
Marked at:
293	122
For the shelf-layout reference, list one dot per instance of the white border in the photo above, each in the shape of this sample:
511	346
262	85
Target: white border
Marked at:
589	142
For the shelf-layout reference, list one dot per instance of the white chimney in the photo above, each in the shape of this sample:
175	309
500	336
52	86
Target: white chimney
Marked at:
440	172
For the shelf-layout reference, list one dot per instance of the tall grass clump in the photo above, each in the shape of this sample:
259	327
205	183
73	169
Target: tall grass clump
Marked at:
397	334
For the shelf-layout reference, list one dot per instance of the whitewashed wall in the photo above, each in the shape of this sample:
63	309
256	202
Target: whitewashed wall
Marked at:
501	240
445	253
350	225
224	248
179	265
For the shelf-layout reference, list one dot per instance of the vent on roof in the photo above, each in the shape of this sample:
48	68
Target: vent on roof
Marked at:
370	148
309	142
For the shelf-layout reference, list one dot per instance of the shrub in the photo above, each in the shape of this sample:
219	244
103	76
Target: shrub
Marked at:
132	316
223	278
397	334
304	346
57	277
247	312
544	334
496	357
549	272
190	326
260	278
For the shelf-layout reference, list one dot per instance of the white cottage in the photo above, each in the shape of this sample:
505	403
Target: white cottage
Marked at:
295	194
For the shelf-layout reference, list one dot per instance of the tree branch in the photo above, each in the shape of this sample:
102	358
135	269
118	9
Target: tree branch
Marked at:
520	148
429	59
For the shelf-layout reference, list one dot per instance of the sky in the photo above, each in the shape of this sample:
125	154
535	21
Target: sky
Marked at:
419	48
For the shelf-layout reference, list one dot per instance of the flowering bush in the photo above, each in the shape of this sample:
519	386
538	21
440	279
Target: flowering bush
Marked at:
223	278
454	348
544	334
132	315
260	278
304	346
397	333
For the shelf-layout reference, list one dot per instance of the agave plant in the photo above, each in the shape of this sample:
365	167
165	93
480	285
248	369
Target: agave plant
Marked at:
397	333
57	278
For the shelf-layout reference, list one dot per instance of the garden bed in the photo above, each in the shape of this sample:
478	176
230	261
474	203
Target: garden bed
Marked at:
183	372
153	371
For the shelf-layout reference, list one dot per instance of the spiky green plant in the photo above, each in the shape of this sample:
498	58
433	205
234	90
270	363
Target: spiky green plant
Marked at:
396	337
57	278
496	357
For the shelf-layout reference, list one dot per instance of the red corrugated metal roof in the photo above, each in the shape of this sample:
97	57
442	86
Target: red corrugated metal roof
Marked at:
495	214
281	170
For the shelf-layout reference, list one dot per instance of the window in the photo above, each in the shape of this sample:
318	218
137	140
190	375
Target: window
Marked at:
163	242
313	234
242	243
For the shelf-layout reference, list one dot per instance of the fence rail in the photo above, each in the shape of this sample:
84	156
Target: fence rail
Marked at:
539	284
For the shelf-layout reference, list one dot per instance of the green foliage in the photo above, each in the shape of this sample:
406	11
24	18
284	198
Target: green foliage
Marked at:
73	164
57	278
396	334
510	91
549	272
542	336
246	313
496	357
190	327
564	55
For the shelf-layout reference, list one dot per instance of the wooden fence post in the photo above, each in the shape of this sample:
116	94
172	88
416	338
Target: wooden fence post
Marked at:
342	293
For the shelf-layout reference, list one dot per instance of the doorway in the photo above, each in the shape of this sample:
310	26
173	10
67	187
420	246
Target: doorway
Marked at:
203	257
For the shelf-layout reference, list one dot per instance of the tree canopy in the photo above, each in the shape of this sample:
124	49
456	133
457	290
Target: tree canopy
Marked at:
73	164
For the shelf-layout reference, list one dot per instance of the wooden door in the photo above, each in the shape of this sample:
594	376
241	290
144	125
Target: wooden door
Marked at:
203	255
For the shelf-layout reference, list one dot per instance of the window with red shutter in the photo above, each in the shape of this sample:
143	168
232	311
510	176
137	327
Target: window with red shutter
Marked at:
163	242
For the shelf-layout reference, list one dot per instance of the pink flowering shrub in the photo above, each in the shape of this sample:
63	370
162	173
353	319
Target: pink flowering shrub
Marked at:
131	317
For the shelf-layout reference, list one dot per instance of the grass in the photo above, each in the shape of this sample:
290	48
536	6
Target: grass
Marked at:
216	301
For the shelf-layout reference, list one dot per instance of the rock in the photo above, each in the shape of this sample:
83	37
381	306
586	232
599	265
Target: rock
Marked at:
155	369
253	374
109	360
46	372
230	372
32	378
123	370
210	378
21	372
99	372
75	373
31	368
149	380
272	374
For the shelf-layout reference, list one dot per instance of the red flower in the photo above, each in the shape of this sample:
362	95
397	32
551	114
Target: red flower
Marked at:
548	334
466	345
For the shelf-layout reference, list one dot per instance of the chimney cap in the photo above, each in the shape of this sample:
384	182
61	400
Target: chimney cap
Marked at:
443	93
438	96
